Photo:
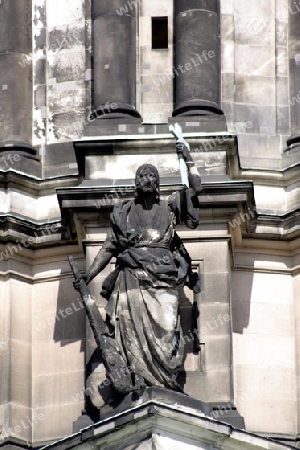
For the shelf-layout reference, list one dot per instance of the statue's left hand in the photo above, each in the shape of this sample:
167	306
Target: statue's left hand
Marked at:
182	151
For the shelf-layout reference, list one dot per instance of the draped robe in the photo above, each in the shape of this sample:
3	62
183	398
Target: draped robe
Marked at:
143	305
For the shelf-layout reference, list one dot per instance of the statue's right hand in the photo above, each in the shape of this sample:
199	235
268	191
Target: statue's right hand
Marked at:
76	283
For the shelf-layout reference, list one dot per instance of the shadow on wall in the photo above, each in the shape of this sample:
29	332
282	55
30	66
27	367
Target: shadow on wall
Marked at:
241	290
70	319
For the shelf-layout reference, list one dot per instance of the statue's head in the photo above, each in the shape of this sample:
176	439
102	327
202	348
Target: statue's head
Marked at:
147	180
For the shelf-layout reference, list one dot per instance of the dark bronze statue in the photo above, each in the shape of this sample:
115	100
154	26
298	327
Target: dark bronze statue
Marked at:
141	337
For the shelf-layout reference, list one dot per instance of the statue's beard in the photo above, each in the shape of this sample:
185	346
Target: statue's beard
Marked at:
142	190
146	188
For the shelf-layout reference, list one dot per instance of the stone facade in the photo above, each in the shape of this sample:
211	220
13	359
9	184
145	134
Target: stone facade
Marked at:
75	125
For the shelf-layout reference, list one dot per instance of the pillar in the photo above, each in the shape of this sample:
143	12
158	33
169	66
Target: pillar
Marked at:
197	57
16	75
114	28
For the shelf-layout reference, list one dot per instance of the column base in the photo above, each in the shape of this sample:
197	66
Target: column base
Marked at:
197	108
293	139
115	110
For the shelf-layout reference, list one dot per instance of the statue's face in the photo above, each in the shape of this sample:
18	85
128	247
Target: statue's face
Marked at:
146	181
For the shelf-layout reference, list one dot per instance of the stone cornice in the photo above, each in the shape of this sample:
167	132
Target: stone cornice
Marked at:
98	199
24	233
286	174
237	194
34	185
26	264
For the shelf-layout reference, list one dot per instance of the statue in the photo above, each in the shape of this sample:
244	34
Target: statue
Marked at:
141	336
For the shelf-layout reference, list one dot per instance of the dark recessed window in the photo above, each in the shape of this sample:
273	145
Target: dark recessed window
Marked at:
159	32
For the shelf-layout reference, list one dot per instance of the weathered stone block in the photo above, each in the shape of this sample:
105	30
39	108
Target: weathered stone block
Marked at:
251	30
258	90
217	352
54	425
227	26
260	148
65	13
62	153
215	256
157	8
212	387
58	389
21	311
58	318
282	9
282	92
227	7
215	287
281	32
228	57
214	320
16	90
228	87
20	374
254	60
51	358
257	8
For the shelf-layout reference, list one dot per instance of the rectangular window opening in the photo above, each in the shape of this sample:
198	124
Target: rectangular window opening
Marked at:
159	33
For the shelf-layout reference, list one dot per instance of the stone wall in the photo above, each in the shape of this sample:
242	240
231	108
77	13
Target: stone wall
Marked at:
255	79
62	78
264	349
248	258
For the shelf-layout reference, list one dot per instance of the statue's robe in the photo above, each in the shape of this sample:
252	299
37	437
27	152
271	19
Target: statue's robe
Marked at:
143	306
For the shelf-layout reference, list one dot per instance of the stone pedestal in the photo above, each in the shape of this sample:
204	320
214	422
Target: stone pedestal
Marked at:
163	420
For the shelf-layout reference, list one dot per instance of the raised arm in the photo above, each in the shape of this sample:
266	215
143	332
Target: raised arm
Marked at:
184	203
194	176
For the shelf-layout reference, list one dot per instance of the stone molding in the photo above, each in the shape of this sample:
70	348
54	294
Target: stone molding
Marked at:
163	416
